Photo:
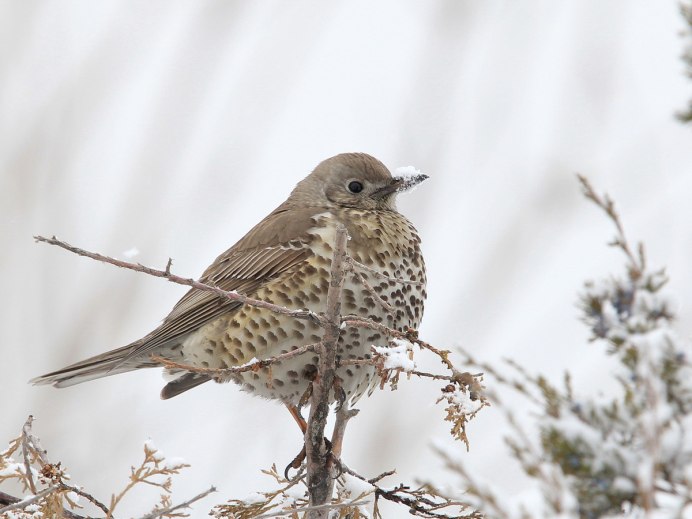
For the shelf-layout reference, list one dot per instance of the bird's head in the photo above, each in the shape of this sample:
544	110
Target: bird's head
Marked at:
354	180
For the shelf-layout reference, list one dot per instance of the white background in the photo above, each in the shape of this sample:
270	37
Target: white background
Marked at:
174	126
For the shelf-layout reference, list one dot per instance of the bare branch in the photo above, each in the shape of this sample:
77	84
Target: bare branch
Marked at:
388	473
384	304
166	274
250	366
354	263
85	495
185	504
319	480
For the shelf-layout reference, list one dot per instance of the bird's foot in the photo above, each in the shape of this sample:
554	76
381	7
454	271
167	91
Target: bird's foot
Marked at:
300	458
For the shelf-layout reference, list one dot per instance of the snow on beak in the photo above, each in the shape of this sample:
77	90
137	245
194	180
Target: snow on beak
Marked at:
404	179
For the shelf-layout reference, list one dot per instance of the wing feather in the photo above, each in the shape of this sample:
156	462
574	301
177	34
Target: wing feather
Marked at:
277	244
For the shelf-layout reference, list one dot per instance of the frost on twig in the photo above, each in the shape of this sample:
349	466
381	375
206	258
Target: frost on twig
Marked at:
355	498
49	493
624	455
289	495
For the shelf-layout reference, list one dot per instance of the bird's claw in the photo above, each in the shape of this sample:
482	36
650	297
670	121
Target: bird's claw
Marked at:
295	463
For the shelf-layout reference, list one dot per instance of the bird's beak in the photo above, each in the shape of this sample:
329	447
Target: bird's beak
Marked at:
400	184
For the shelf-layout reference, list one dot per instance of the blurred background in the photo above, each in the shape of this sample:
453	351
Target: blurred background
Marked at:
172	127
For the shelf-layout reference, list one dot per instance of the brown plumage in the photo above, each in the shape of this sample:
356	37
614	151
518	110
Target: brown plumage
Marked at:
285	260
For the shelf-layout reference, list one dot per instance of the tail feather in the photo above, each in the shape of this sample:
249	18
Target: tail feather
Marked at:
103	365
114	362
182	384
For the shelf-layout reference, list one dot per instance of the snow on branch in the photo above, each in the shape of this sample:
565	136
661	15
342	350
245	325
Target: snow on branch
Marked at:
625	455
49	493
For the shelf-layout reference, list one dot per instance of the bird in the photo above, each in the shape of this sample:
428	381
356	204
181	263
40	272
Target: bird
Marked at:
285	260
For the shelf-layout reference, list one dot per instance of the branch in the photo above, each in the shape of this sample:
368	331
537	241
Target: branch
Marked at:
23	503
343	415
26	450
86	496
166	274
638	262
353	263
185	504
311	509
319	480
422	502
250	366
361	279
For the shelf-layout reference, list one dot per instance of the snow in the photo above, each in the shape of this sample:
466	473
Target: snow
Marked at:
397	356
463	401
296	492
406	173
254	497
12	469
410	177
174	462
131	252
156	454
358	490
356	486
253	360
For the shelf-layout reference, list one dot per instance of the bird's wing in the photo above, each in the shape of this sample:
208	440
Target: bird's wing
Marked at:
274	246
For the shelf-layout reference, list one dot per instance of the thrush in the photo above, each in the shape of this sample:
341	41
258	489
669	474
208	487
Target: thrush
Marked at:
285	260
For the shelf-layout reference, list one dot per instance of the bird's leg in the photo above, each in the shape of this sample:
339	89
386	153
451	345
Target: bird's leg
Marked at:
298	417
295	413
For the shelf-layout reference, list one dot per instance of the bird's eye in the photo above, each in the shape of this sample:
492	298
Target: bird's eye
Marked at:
355	186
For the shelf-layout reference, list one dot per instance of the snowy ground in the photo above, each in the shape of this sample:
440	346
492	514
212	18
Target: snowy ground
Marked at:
170	128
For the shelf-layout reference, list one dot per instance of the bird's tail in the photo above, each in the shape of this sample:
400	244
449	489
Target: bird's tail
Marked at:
112	362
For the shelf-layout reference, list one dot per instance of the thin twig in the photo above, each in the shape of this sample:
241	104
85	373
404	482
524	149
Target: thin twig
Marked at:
185	504
20	505
388	473
373	362
312	508
384	304
402	281
166	274
26	449
250	366
85	495
33	442
32	445
364	322
410	335
416	500
638	262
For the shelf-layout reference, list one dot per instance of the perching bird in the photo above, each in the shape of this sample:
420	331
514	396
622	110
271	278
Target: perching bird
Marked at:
285	260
